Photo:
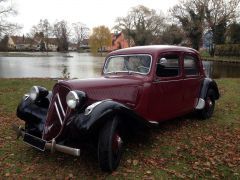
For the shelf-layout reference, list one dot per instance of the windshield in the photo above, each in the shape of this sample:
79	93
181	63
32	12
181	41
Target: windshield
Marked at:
128	63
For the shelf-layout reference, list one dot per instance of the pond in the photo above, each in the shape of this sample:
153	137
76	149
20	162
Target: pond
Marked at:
84	65
79	65
218	70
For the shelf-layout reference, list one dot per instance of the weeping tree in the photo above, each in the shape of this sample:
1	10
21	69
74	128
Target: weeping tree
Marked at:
100	39
142	25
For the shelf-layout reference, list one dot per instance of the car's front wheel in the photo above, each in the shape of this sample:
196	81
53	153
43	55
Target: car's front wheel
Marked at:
110	145
207	111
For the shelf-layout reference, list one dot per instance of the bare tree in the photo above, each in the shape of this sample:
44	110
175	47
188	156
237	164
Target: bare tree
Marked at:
195	15
6	9
42	31
141	24
219	14
46	29
61	31
81	32
191	16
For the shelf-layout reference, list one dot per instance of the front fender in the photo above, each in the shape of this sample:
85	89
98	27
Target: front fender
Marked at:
33	113
84	123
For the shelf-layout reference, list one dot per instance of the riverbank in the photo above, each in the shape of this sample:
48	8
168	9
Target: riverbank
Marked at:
186	147
222	59
62	54
25	54
34	54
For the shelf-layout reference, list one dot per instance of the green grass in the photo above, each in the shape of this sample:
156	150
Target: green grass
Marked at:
12	90
181	148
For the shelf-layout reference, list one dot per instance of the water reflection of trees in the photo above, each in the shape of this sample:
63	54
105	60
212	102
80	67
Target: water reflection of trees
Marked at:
221	70
65	72
98	65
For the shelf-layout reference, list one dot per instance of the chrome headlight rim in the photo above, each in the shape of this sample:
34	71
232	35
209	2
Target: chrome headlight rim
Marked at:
37	93
75	98
34	93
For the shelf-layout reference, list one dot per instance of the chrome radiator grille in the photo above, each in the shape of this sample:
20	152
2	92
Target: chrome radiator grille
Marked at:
57	113
60	111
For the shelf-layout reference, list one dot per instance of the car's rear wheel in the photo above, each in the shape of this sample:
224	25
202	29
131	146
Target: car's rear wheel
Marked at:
110	145
207	111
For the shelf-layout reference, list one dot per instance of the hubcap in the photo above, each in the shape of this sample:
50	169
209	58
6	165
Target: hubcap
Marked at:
116	143
209	103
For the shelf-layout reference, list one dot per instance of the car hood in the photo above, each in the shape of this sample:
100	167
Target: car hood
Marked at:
123	90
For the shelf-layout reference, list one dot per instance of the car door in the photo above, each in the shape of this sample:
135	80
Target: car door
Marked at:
192	80
167	93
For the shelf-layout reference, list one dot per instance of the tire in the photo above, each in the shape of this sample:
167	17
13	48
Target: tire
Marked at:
110	145
207	111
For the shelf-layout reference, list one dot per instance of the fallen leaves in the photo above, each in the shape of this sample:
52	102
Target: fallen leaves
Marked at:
135	162
182	148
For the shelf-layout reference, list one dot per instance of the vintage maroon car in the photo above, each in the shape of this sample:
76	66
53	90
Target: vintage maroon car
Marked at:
139	85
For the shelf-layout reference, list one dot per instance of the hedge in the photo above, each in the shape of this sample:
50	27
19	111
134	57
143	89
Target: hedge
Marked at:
227	50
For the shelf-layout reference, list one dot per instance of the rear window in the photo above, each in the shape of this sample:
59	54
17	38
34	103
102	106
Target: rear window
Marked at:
190	66
168	66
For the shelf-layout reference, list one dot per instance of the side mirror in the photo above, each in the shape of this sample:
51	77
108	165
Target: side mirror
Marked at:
163	61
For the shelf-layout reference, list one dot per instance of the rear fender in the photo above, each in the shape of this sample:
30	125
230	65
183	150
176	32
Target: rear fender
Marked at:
206	85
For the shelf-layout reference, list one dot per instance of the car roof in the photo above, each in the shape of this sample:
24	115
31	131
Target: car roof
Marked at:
151	49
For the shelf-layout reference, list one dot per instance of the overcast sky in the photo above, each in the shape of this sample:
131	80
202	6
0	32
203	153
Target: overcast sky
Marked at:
90	12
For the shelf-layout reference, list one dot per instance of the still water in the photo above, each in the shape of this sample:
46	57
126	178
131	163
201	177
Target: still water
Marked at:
83	65
79	65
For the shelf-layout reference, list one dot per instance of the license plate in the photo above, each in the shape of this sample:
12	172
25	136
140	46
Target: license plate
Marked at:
34	141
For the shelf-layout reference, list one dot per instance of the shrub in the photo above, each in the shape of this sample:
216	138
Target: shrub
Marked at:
227	50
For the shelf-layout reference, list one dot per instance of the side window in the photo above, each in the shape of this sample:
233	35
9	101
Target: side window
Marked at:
168	66
190	65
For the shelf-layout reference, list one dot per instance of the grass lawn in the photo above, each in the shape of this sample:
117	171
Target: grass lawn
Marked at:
182	148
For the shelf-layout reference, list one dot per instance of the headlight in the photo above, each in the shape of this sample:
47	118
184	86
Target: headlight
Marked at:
38	92
75	99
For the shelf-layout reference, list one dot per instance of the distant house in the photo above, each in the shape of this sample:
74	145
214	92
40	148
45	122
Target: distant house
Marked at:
72	47
52	44
84	44
11	44
118	42
21	43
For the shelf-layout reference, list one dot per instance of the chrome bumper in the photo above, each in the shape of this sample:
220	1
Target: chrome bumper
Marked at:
52	146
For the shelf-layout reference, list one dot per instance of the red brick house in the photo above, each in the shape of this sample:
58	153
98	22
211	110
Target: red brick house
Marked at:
118	42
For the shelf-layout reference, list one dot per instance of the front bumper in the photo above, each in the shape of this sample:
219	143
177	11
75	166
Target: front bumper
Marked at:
43	145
